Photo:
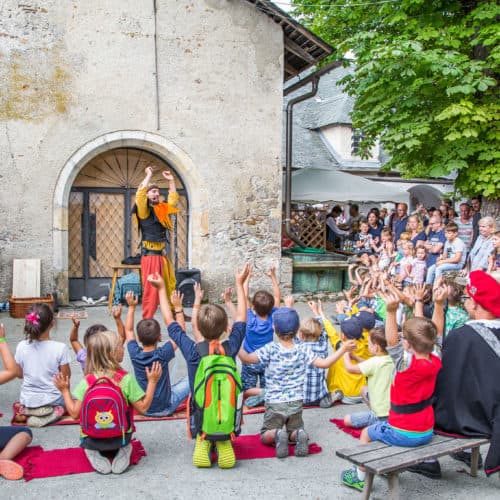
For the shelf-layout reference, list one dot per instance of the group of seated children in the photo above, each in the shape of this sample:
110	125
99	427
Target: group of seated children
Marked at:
285	373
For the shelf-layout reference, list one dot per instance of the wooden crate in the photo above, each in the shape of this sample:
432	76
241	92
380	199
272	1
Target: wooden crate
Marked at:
19	307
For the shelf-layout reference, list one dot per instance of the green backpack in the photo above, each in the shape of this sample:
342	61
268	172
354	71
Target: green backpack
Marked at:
217	399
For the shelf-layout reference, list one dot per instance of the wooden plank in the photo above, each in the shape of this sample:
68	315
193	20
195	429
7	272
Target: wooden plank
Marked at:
360	448
26	278
420	453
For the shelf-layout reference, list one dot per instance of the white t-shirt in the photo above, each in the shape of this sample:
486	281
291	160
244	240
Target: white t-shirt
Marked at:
452	248
40	361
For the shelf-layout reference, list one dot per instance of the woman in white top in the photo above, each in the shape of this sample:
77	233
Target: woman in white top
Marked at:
478	256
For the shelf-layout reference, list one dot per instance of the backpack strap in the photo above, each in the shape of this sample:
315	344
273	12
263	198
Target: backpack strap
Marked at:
488	336
118	376
91	379
206	348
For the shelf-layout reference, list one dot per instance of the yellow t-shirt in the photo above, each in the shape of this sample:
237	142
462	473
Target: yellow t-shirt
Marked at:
338	377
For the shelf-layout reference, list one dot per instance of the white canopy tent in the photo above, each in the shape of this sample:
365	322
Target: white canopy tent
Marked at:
321	186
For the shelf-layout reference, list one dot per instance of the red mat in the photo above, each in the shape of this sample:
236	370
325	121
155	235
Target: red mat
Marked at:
38	463
250	447
339	422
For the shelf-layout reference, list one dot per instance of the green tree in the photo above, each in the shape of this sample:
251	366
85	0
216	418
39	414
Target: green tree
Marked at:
425	82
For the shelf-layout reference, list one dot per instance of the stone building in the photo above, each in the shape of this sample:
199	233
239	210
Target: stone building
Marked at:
92	91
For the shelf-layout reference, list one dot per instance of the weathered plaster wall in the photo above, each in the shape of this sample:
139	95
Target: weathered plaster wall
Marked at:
74	71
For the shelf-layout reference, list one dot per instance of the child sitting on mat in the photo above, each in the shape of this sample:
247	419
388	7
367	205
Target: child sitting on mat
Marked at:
285	363
379	371
80	350
167	397
104	355
13	440
38	359
210	323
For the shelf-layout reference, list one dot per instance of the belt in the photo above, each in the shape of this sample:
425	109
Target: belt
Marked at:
411	408
145	251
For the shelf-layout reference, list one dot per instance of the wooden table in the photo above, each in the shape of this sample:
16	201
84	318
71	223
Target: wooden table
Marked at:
121	267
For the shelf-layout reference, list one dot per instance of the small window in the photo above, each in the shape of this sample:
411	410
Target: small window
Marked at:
357	137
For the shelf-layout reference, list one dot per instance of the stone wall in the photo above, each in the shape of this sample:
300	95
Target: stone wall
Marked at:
74	73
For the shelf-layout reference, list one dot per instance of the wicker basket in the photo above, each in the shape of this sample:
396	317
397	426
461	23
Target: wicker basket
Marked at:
19	307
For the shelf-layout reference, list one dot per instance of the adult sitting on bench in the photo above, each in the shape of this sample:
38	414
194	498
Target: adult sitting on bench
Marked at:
467	390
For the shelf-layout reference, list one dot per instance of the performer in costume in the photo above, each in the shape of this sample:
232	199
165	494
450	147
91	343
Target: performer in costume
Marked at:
155	224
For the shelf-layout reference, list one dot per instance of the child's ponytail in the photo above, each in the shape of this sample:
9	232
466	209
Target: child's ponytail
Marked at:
37	320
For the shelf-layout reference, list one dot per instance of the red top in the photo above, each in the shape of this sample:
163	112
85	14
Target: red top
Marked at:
413	385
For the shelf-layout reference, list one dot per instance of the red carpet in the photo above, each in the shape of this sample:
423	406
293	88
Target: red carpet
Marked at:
250	447
339	422
38	463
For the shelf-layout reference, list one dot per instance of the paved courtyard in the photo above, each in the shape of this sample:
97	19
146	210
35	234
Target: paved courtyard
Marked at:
167	471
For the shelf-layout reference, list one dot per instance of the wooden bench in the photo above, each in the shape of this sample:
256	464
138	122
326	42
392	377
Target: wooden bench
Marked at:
379	458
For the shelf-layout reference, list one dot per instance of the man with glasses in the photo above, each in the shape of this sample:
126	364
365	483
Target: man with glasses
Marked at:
467	393
434	243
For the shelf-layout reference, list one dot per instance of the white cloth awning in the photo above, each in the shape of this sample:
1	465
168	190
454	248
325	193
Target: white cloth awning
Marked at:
322	186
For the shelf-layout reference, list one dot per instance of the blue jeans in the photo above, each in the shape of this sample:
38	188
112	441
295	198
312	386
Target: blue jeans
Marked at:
435	272
178	393
362	419
382	431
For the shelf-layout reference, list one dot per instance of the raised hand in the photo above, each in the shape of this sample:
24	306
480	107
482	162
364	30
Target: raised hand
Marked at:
131	298
167	175
289	301
116	311
241	275
156	280
76	321
176	299
314	307
227	295
391	300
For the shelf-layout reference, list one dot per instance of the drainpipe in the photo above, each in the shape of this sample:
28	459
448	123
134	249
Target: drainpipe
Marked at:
288	159
314	79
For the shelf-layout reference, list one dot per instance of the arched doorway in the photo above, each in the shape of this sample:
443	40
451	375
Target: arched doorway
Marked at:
101	231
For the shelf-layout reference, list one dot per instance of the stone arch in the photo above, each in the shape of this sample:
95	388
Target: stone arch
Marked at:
154	143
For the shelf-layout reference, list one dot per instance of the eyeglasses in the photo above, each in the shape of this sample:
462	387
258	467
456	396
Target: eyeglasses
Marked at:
465	297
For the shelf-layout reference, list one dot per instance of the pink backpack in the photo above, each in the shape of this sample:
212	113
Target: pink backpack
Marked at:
105	413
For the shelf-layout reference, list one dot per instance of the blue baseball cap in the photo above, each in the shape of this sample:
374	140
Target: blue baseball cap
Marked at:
351	328
286	320
367	319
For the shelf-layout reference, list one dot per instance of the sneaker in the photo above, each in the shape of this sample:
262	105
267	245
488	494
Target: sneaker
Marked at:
465	457
201	454
431	470
122	459
281	441
350	478
302	445
326	401
41	411
100	463
10	470
56	414
226	457
256	400
337	395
